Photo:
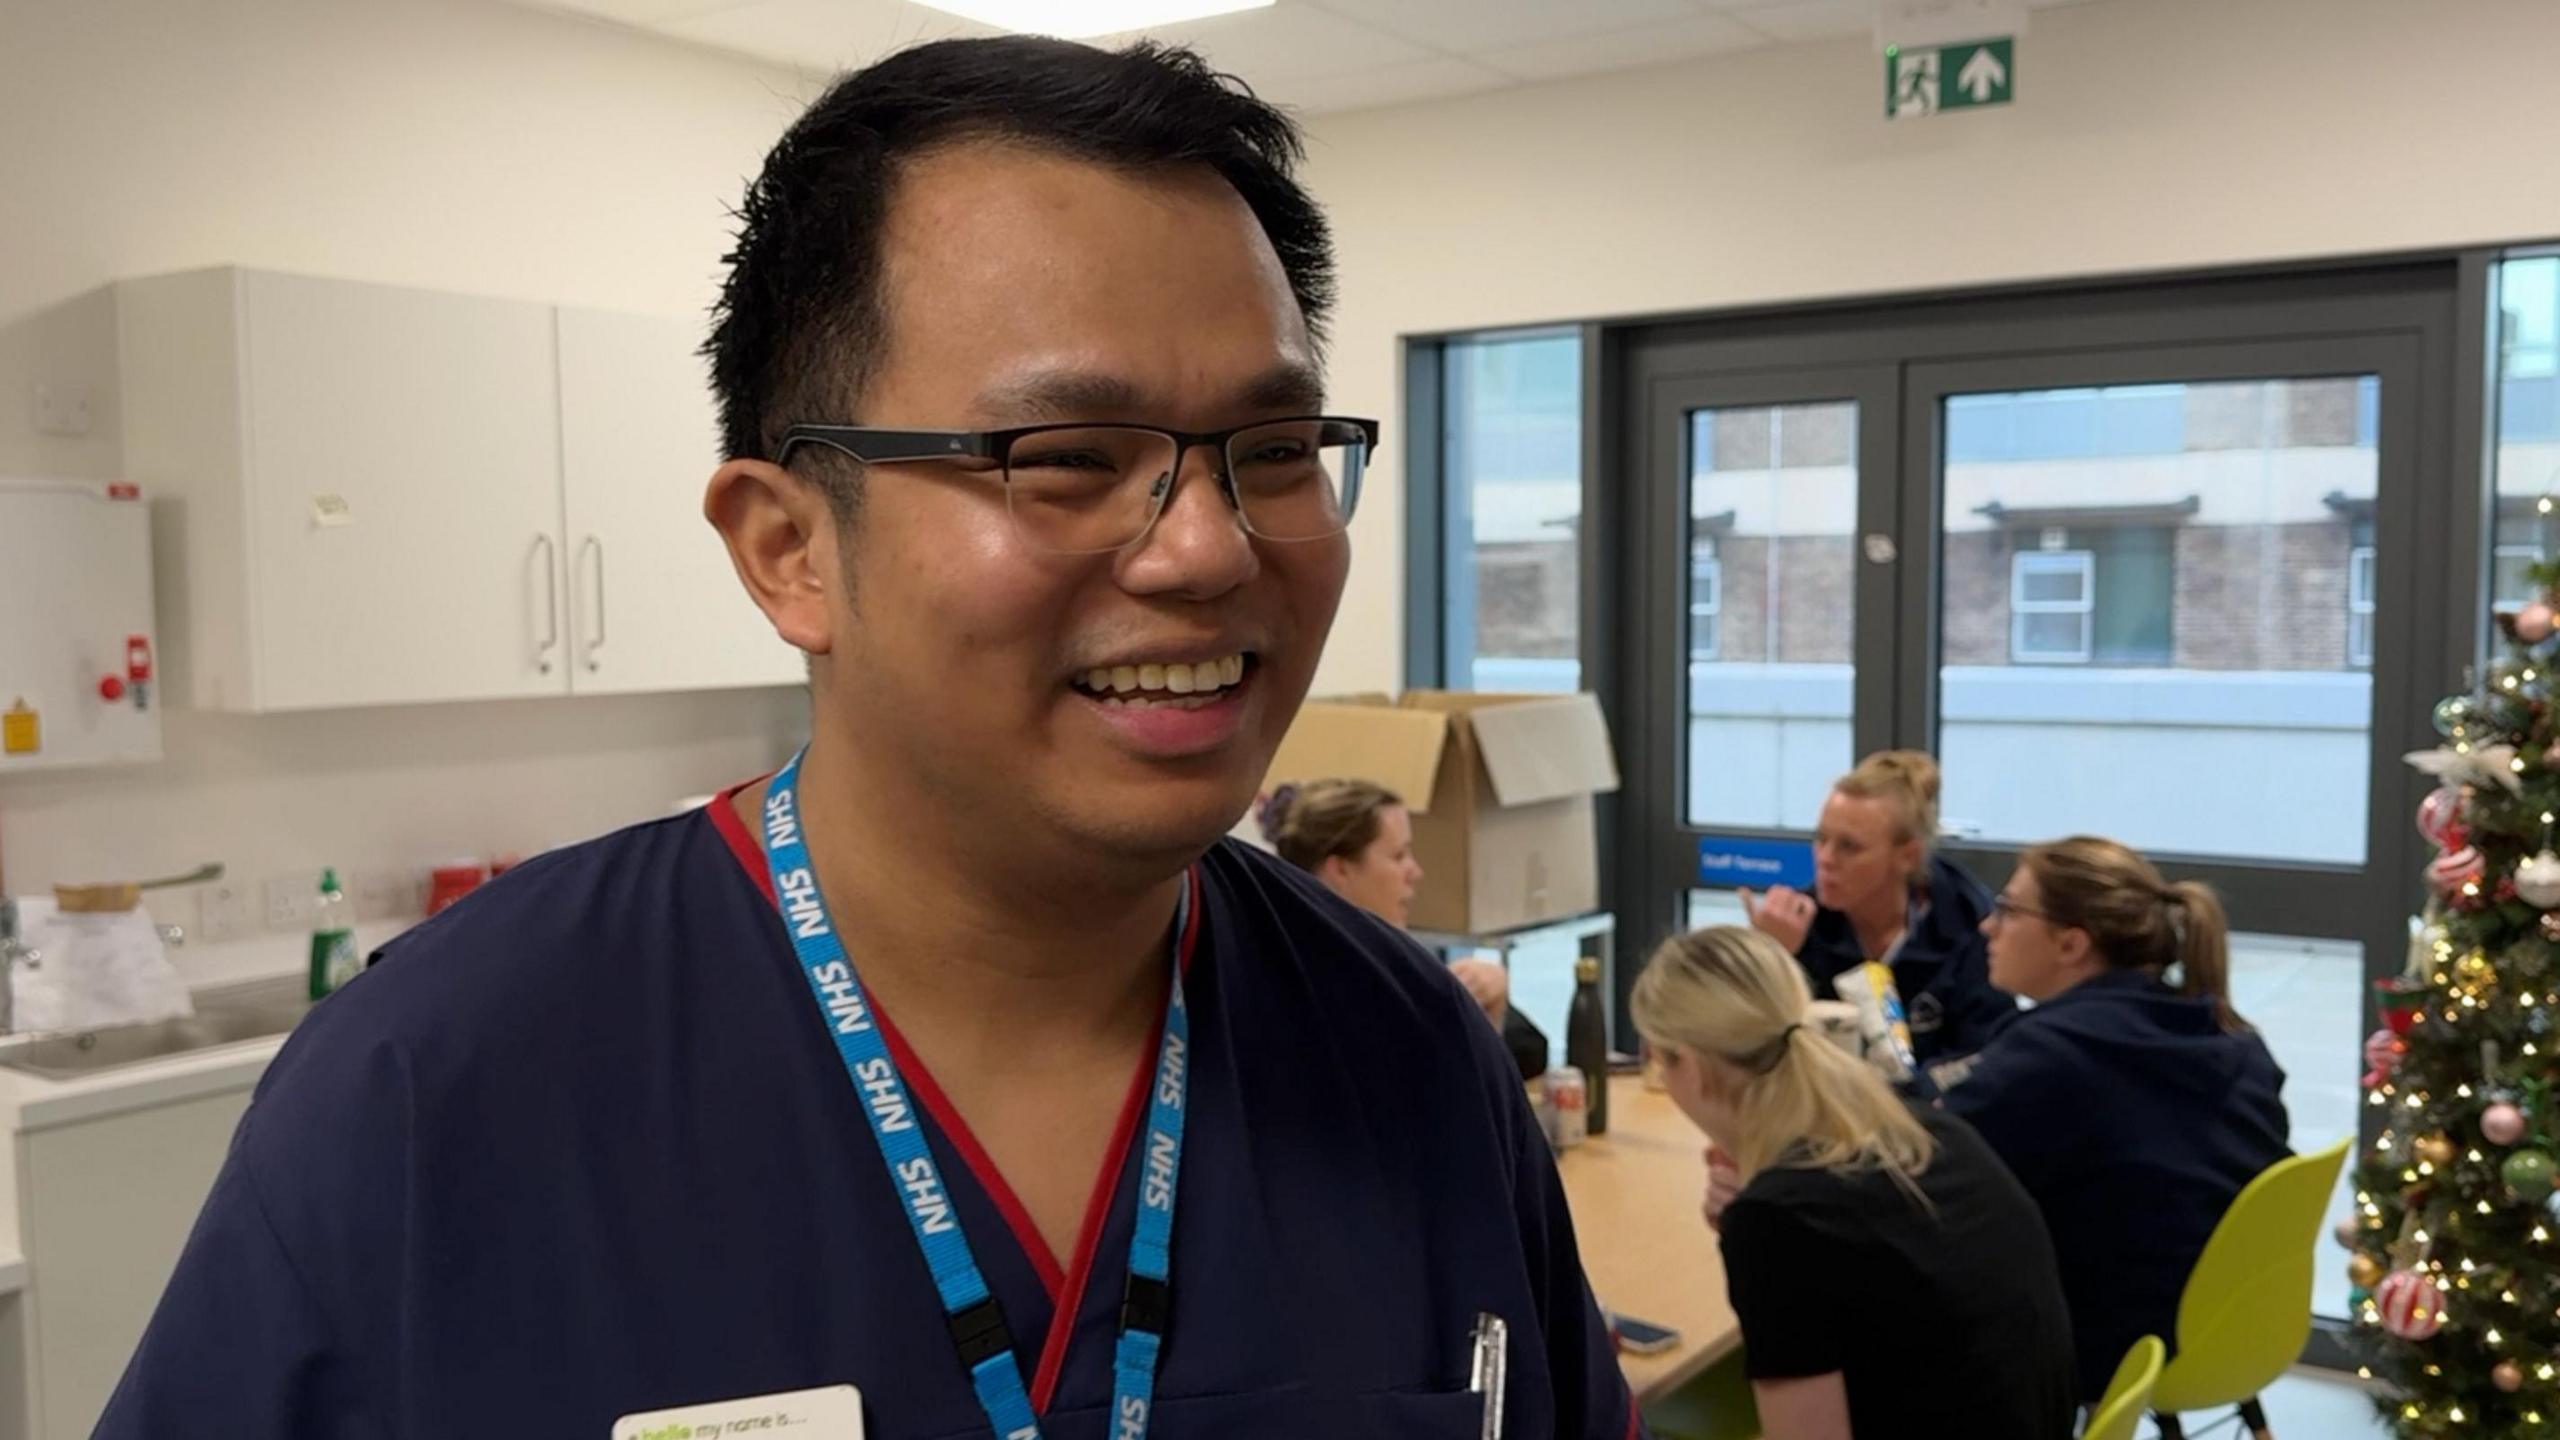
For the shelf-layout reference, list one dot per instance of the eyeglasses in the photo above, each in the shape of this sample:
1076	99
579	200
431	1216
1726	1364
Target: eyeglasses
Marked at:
1087	489
2004	910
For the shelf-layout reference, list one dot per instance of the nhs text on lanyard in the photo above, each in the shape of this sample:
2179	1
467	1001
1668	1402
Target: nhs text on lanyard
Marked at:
977	1325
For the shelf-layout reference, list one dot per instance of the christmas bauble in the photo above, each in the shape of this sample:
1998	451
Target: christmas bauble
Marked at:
2538	881
2454	869
2411	1305
2349	1231
2440	817
2507	1375
2364	1270
2356	1296
2453	713
2534	623
2529	1174
2436	1149
2382	1052
2551	928
2502	1123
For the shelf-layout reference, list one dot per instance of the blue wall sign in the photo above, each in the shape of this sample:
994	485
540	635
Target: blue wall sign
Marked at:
1726	862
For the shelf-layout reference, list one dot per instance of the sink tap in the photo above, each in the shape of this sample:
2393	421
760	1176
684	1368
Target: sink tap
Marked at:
14	952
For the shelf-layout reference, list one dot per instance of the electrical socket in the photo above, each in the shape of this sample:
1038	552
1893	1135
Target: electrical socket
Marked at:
224	913
386	894
293	901
62	409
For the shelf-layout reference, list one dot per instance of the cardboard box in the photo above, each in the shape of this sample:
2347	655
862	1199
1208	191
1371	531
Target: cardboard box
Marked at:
1500	787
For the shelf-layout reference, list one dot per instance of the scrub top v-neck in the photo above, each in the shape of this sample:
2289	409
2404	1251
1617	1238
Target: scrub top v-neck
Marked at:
576	1149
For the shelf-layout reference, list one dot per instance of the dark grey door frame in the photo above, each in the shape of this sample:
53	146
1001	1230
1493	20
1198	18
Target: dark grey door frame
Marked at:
2400	315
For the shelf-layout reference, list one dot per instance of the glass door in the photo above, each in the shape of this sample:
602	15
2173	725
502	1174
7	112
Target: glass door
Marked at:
2160	611
2144	571
1755	646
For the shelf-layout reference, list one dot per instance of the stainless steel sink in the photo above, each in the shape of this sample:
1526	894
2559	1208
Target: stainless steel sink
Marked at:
230	1015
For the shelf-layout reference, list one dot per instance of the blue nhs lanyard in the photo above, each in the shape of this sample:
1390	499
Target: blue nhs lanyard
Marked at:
977	1324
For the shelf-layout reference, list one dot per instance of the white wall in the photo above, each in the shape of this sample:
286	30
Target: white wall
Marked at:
2148	135
456	144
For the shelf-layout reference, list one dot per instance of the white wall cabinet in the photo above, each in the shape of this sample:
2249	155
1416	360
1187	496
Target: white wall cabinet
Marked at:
654	604
389	496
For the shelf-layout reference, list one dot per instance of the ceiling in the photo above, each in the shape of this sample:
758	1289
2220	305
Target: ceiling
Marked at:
1310	54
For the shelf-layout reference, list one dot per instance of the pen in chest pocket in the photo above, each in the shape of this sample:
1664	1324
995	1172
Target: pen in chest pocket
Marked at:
1484	1377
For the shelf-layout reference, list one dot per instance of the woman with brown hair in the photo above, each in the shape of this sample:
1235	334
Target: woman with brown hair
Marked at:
1357	837
1882	892
1891	1277
2132	1101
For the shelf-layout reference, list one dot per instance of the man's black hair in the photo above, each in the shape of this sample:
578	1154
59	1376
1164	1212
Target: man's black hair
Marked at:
800	322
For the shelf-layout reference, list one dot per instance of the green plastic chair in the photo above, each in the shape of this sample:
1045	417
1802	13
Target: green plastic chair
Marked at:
2246	1311
2129	1394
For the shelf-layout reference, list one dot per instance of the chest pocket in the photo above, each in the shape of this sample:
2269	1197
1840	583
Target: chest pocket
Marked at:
1284	1415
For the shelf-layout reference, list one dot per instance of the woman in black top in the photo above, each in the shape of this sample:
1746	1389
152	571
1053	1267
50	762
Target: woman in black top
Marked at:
2132	1102
1881	892
1891	1277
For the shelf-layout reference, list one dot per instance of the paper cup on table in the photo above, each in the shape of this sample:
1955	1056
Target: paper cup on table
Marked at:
1870	988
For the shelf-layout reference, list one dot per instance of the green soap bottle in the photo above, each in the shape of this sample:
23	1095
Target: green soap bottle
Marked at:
333	942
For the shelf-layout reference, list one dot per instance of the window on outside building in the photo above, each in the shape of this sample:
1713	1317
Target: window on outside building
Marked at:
2360	607
1706	605
2052	604
2118	580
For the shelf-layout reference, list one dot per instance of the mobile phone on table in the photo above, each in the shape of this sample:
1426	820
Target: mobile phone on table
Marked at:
1642	1337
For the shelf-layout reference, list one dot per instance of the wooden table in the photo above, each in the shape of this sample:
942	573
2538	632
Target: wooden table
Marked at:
1635	1194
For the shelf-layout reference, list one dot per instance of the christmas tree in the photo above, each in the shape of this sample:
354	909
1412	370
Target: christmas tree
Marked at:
2455	1234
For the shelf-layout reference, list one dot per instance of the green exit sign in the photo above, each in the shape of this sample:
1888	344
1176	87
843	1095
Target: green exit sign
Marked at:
1925	79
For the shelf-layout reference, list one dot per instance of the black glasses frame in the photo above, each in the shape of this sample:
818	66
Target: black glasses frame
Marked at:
876	446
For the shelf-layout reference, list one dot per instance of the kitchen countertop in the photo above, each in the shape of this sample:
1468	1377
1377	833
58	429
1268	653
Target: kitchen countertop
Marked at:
30	1103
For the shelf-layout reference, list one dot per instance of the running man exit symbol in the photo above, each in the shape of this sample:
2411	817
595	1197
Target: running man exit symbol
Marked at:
1925	79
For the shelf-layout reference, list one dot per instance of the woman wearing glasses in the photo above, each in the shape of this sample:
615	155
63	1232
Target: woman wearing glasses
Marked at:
1882	893
1891	1277
2132	1101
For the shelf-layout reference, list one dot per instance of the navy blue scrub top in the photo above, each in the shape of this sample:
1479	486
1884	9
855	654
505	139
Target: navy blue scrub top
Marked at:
2134	1119
581	1147
1943	969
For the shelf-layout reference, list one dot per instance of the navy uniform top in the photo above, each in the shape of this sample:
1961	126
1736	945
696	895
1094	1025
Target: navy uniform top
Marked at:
2134	1119
1943	968
582	1147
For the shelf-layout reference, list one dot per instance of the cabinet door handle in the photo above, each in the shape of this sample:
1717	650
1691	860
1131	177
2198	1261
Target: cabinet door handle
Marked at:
592	544
549	553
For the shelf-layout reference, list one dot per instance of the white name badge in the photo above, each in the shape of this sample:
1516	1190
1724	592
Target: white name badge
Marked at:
834	1413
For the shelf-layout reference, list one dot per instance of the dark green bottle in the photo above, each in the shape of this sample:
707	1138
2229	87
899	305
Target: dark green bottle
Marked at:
1586	1042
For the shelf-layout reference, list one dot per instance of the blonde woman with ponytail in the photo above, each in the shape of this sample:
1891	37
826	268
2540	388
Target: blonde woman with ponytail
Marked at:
2132	1102
1891	1277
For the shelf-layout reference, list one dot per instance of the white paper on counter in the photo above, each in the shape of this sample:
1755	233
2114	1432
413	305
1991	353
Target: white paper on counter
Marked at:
95	970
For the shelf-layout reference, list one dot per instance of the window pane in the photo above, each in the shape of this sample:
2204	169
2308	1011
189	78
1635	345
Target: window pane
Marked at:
1773	498
2306	998
2053	635
2215	635
1511	471
2527	457
2135	601
2052	583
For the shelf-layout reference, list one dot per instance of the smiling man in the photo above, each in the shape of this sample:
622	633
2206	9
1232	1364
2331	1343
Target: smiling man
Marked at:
962	1063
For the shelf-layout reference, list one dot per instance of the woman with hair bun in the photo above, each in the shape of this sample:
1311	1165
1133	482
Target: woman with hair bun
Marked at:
1882	893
